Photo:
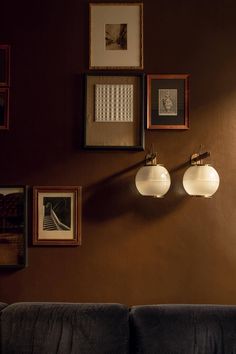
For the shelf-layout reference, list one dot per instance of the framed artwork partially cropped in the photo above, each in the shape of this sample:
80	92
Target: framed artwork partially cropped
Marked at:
116	36
57	216
4	65
4	108
13	226
168	101
114	114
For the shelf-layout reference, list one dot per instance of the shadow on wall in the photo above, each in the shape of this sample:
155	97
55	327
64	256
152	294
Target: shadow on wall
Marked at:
117	195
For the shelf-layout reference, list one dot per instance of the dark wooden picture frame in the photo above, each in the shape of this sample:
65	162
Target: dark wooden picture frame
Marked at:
57	215
13	226
4	65
126	51
120	134
168	101
4	108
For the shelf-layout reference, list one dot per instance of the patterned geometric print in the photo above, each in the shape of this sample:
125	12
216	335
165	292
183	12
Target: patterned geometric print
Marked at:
113	103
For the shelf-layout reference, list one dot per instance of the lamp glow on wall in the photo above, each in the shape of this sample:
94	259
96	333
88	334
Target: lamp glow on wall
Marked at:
152	179
200	179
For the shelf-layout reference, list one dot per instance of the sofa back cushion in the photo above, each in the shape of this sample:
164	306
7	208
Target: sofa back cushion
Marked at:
183	329
2	305
45	328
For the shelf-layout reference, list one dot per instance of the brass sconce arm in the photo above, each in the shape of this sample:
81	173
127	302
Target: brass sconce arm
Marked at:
196	159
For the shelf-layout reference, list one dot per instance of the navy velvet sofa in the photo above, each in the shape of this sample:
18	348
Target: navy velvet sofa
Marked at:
62	328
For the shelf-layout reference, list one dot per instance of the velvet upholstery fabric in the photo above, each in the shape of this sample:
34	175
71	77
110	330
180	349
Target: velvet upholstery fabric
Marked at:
183	329
55	328
2	305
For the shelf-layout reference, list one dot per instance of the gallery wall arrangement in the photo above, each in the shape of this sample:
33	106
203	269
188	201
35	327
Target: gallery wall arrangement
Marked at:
94	89
114	119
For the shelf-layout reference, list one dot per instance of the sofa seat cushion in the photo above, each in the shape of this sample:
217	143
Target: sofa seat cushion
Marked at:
183	329
65	328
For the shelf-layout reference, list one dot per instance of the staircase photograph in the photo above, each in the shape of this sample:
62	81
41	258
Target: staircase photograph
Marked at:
57	213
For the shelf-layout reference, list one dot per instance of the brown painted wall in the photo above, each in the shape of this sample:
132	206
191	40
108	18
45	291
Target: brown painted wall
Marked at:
135	250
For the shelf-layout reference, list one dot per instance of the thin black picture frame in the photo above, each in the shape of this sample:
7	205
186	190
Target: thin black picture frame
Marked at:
141	100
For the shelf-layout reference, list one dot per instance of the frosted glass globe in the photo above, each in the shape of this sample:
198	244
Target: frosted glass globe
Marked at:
153	181
201	180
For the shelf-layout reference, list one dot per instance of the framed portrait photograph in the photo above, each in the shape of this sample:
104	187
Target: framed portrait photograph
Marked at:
4	108
13	226
168	101
114	117
116	36
4	65
57	216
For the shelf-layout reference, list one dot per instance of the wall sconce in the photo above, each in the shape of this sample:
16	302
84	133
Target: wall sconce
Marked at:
152	179
200	179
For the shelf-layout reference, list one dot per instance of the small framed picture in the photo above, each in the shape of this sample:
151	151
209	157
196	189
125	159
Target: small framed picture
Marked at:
13	226
116	36
4	65
4	108
168	101
114	115
57	216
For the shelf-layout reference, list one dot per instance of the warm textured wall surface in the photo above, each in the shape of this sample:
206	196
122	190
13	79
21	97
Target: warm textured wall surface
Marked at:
135	250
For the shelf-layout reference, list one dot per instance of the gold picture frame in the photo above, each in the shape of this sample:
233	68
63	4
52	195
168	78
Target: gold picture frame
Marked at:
116	36
57	216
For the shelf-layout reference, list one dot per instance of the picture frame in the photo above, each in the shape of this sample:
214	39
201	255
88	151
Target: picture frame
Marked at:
114	111
167	101
116	36
4	65
57	215
4	108
13	226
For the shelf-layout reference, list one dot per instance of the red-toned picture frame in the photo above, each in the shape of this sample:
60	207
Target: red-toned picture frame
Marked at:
4	65
4	108
57	215
168	101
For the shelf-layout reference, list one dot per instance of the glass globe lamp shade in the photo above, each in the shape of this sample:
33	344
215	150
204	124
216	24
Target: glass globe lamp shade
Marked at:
153	181
201	180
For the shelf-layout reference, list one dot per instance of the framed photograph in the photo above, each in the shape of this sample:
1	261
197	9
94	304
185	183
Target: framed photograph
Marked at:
116	36
4	108
168	101
13	226
57	216
4	65
114	111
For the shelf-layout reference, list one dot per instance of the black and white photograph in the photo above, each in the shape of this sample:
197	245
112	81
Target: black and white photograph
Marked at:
57	215
13	229
116	36
168	102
